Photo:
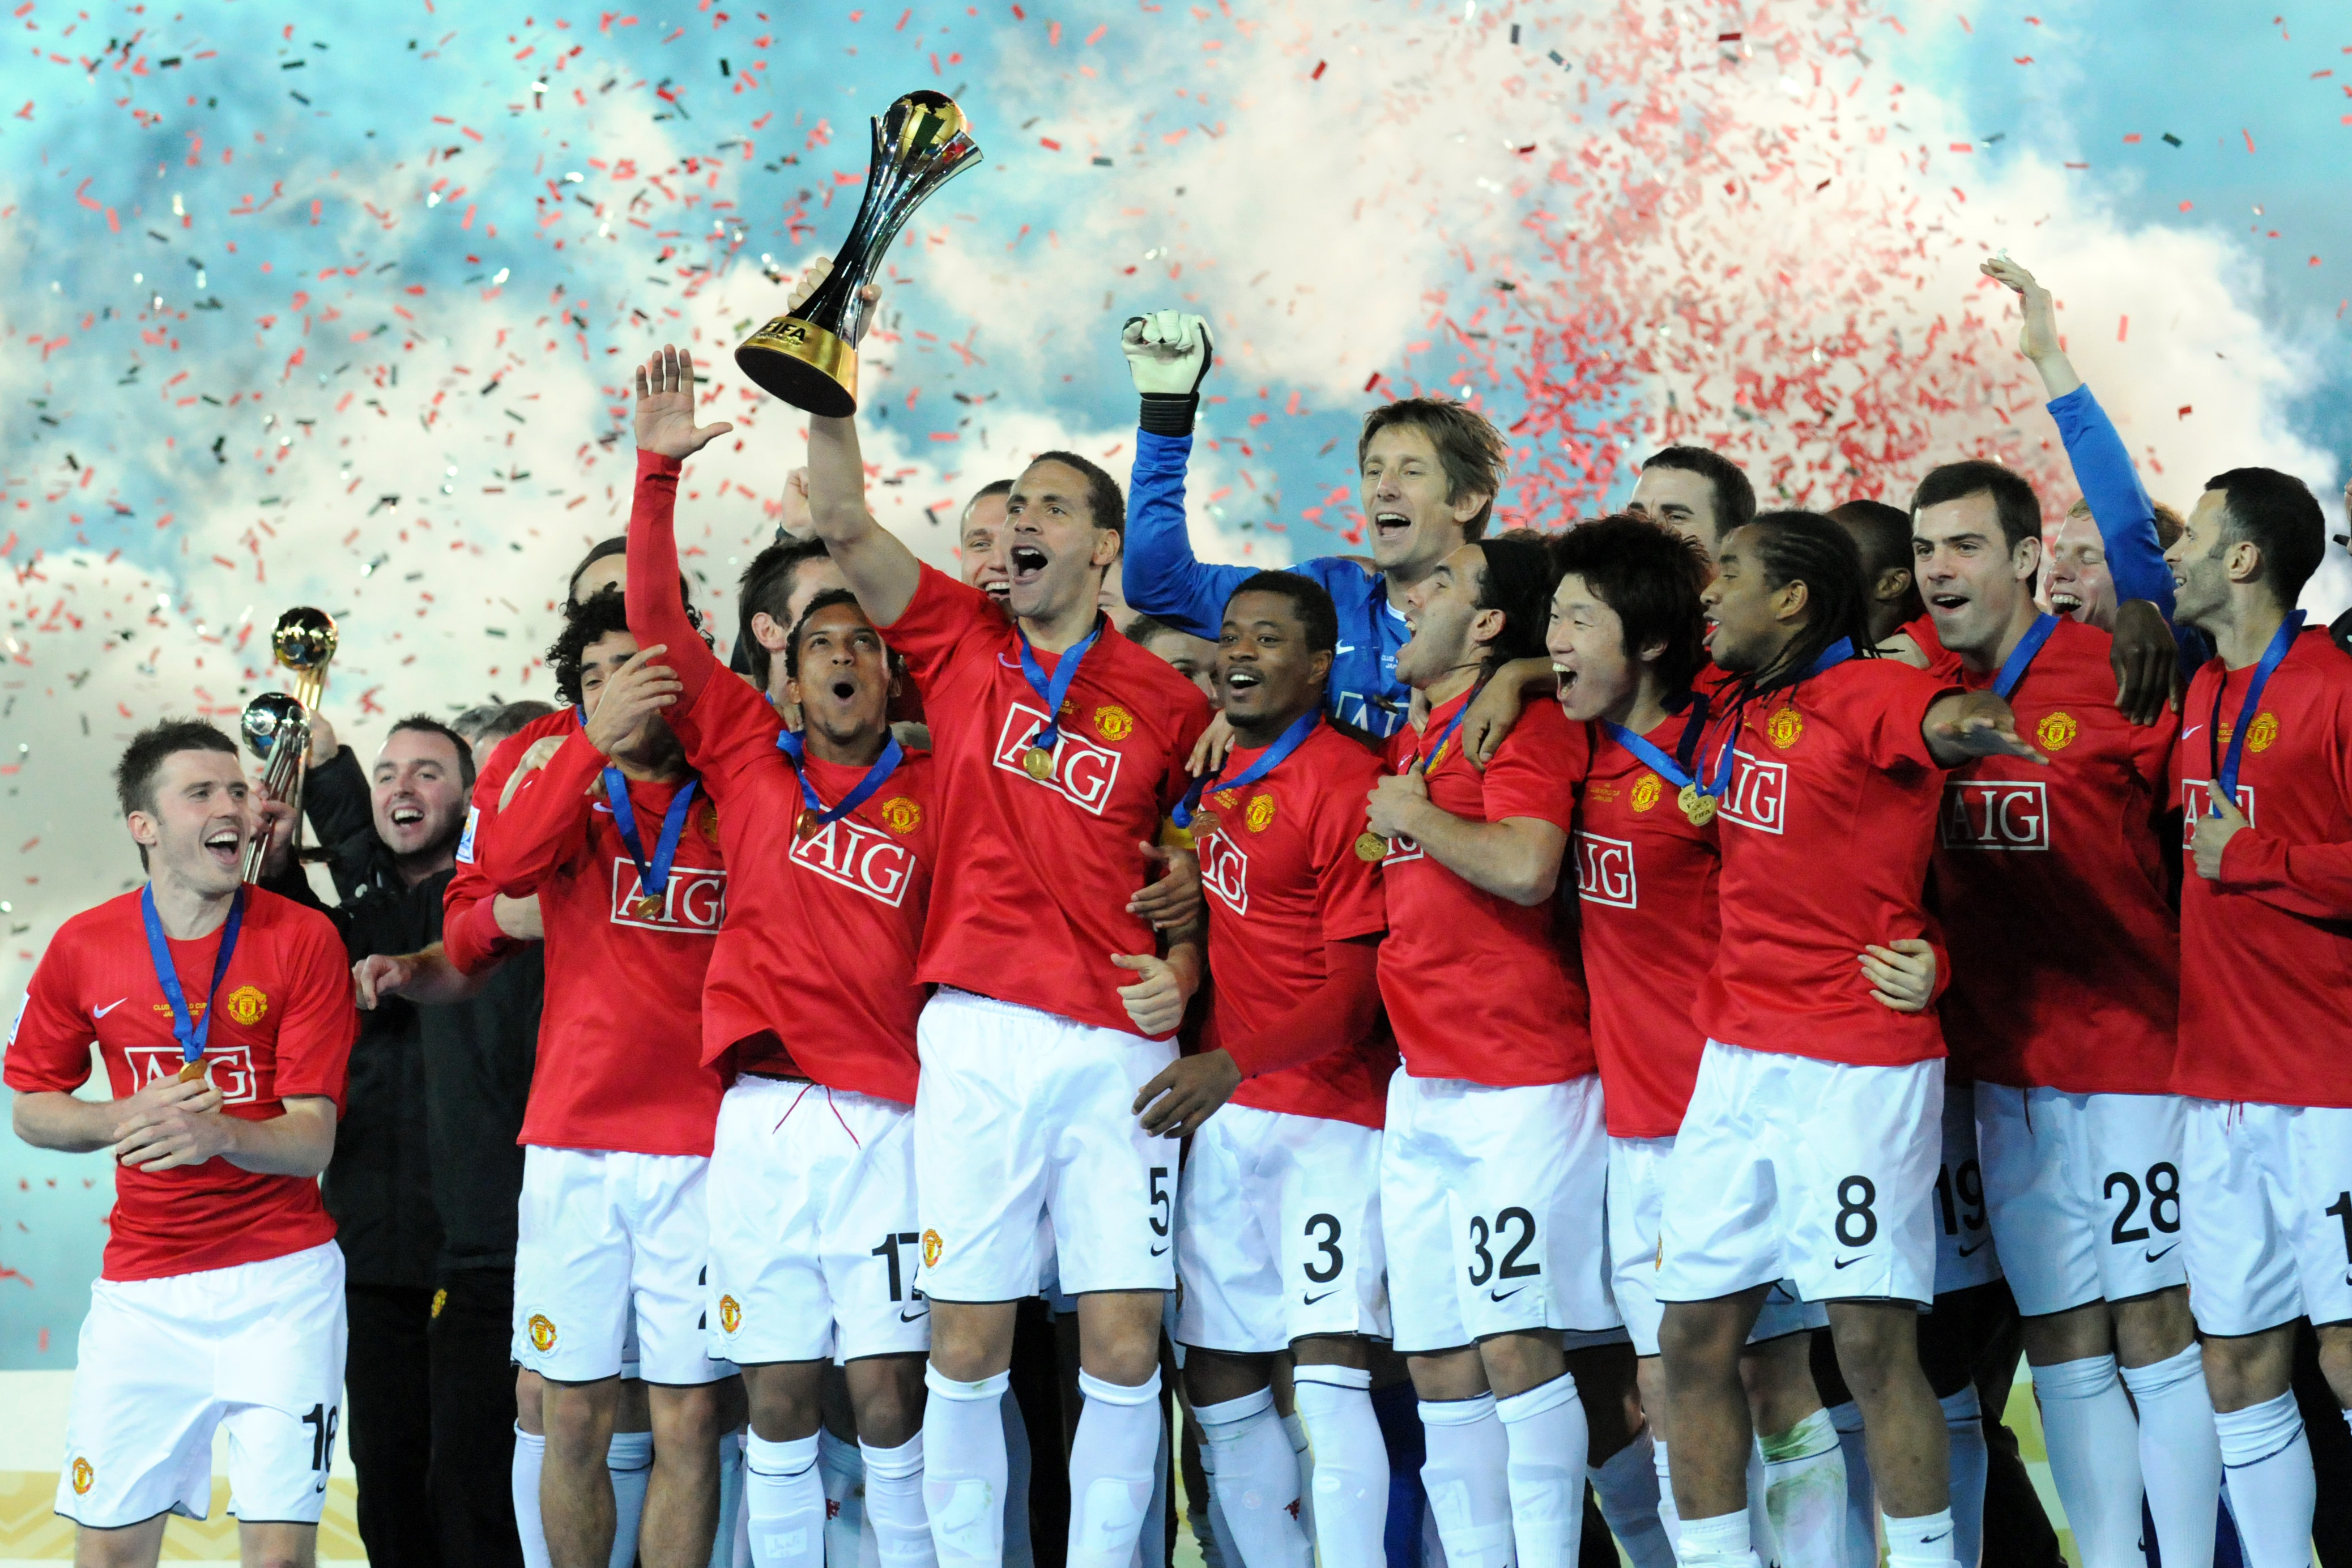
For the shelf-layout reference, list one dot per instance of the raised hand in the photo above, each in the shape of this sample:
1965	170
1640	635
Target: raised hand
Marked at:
666	407
635	692
1168	353
2037	338
813	276
796	521
542	753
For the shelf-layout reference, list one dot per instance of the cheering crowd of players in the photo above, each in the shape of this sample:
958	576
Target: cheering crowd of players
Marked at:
1662	988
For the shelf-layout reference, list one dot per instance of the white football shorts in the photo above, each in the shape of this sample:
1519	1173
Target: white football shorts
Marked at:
1493	1209
608	1240
1025	1118
1966	1256
1792	1168
814	1236
2266	1215
1278	1235
2084	1192
256	1348
1636	1196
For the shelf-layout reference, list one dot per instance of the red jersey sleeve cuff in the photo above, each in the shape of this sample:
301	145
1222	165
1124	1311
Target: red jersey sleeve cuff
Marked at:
473	941
652	464
2248	861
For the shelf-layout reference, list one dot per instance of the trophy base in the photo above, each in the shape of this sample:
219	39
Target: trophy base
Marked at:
803	363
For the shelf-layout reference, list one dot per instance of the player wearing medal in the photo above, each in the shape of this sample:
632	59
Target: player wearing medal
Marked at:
622	854
2044	875
814	1240
221	1297
2265	766
1625	642
1279	1232
1494	1158
1059	745
1809	1148
1427	473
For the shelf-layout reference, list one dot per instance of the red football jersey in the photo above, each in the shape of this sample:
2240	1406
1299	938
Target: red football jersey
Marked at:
1478	987
1029	900
819	943
620	1031
1826	832
2266	951
1647	926
283	1029
470	931
1283	878
1942	662
2052	885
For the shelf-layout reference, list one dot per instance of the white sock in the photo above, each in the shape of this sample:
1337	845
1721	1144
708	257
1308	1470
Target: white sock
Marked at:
2266	1459
1351	1483
529	1458
1861	1504
1549	1439
2179	1455
1463	1475
1256	1480
1722	1541
1759	1518
730	1498
1964	1426
1670	1518
1217	1547
1804	1493
1923	1541
630	1459
963	1468
1627	1487
1112	1466
842	1472
1019	1552
1151	1541
894	1503
2093	1441
784	1497
1295	1426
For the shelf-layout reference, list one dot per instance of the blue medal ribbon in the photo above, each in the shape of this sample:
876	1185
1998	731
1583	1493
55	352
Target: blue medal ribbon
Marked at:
2013	669
188	1030
1424	760
1837	654
818	814
2225	768
653	876
1052	692
1270	759
1675	770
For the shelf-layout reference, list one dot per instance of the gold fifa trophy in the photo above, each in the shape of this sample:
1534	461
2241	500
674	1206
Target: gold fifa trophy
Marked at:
276	727
809	357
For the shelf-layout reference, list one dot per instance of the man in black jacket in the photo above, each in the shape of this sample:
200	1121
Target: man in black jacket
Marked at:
439	1078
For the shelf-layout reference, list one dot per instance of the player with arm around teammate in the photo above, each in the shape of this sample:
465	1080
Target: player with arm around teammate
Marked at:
220	1301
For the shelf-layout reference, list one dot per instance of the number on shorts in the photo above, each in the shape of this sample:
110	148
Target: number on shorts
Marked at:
1481	1233
2163	1189
888	1251
1323	1273
2342	1209
322	1421
1968	1183
1850	1208
1161	1202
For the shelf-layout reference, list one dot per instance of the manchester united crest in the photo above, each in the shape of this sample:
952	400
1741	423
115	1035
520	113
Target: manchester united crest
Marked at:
1114	723
902	813
2056	732
731	1314
932	1248
2263	732
542	1332
1784	726
1645	794
1261	812
247	1005
83	1476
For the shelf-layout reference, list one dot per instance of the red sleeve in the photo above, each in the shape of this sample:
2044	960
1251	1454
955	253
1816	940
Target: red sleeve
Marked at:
48	1048
470	936
936	622
321	1022
546	823
2314	880
1894	737
1535	769
1350	897
1332	1017
656	612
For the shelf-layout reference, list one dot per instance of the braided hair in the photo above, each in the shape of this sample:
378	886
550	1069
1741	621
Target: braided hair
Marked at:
1806	547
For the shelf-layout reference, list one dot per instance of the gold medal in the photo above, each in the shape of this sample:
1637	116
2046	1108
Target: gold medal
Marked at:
1700	807
1038	763
807	826
1370	846
1203	824
646	908
193	1072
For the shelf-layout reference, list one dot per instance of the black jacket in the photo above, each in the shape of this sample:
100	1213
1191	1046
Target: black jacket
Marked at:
426	1171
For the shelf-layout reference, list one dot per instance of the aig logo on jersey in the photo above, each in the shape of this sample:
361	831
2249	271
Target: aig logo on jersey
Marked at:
855	855
1604	871
1224	871
1083	772
2197	800
695	901
229	1069
1996	814
1758	796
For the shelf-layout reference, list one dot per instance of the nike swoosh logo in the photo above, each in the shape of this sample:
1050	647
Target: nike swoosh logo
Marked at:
1931	1540
906	1317
1844	1261
1968	1251
1159	1251
2155	1257
110	1007
1310	1301
1345	647
1503	1295
2190	730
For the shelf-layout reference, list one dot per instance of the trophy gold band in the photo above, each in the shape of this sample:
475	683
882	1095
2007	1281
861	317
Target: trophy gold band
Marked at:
276	727
809	357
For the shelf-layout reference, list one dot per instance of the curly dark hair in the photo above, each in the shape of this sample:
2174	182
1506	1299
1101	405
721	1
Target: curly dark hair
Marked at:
597	616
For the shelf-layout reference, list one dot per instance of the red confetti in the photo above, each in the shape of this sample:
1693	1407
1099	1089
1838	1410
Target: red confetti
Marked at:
1319	66
2123	325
